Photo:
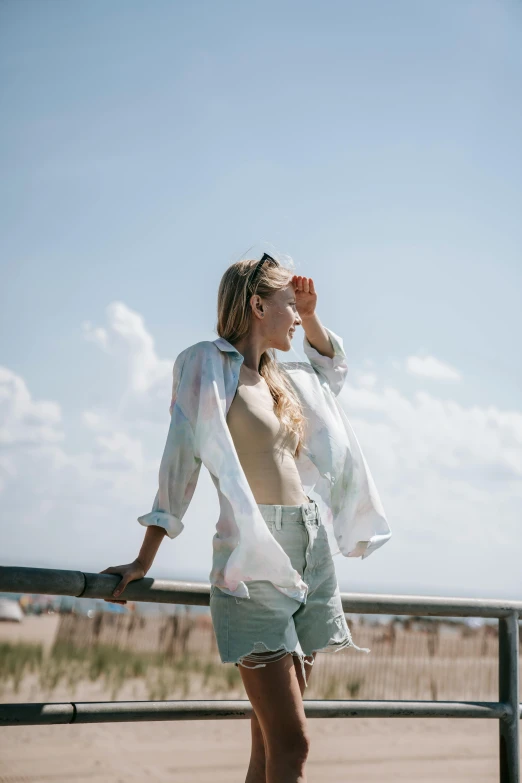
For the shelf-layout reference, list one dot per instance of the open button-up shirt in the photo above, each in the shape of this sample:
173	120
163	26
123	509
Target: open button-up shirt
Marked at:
331	466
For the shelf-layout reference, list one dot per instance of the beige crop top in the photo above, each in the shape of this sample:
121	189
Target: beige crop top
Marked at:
265	453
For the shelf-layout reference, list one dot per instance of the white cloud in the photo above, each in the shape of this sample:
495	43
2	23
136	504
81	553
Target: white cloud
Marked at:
450	477
27	426
118	451
367	379
94	421
145	396
440	435
430	367
95	335
22	420
58	503
127	338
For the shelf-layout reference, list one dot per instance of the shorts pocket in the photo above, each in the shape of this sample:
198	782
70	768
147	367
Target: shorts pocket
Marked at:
342	628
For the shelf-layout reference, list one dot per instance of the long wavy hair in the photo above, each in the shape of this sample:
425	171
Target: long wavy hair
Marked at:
234	318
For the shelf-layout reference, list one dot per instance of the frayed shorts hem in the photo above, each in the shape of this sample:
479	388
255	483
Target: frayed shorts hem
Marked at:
270	656
261	659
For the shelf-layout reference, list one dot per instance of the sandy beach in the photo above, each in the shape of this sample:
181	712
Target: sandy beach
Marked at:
426	750
388	749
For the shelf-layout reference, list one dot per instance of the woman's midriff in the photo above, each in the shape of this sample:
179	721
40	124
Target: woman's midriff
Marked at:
265	453
273	480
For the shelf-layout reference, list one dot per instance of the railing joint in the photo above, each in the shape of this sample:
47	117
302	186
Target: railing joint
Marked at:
84	588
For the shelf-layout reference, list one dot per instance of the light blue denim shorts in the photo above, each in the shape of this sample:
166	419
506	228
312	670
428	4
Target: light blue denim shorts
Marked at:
267	626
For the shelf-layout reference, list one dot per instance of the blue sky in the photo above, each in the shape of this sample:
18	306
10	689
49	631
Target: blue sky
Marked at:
146	146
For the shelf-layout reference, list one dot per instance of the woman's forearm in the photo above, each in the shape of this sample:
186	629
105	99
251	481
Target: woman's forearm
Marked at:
154	535
317	336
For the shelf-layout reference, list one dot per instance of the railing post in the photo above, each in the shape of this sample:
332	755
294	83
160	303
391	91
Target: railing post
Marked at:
509	727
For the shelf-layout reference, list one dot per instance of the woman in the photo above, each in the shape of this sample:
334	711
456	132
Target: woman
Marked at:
269	434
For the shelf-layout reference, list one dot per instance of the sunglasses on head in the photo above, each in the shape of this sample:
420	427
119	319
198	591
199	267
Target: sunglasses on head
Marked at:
260	263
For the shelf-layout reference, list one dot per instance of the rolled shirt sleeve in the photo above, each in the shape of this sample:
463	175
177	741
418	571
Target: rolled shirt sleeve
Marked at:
332	370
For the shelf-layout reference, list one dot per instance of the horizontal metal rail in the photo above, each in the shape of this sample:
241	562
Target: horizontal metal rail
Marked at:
507	710
131	711
14	579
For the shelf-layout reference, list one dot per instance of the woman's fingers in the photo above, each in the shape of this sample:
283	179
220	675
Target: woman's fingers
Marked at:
121	587
122	584
128	573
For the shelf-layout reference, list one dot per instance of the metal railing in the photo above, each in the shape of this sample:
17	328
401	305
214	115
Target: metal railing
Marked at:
507	710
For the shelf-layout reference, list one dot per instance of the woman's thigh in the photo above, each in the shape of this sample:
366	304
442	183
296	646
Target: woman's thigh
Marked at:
275	693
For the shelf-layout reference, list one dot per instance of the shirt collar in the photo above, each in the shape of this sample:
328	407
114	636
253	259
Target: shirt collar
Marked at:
224	345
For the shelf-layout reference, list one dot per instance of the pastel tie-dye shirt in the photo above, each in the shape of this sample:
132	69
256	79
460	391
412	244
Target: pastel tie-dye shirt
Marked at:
331	466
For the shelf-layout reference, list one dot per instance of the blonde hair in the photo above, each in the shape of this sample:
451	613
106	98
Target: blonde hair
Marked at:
239	282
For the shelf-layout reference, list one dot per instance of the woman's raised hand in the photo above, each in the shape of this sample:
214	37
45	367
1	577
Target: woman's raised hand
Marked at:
305	295
128	573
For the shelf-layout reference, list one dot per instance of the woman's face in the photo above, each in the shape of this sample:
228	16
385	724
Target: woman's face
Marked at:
281	318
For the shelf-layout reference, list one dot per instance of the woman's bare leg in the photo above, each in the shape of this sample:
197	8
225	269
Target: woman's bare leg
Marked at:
257	771
257	767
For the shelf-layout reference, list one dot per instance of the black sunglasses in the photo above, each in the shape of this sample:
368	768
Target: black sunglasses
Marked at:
260	263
